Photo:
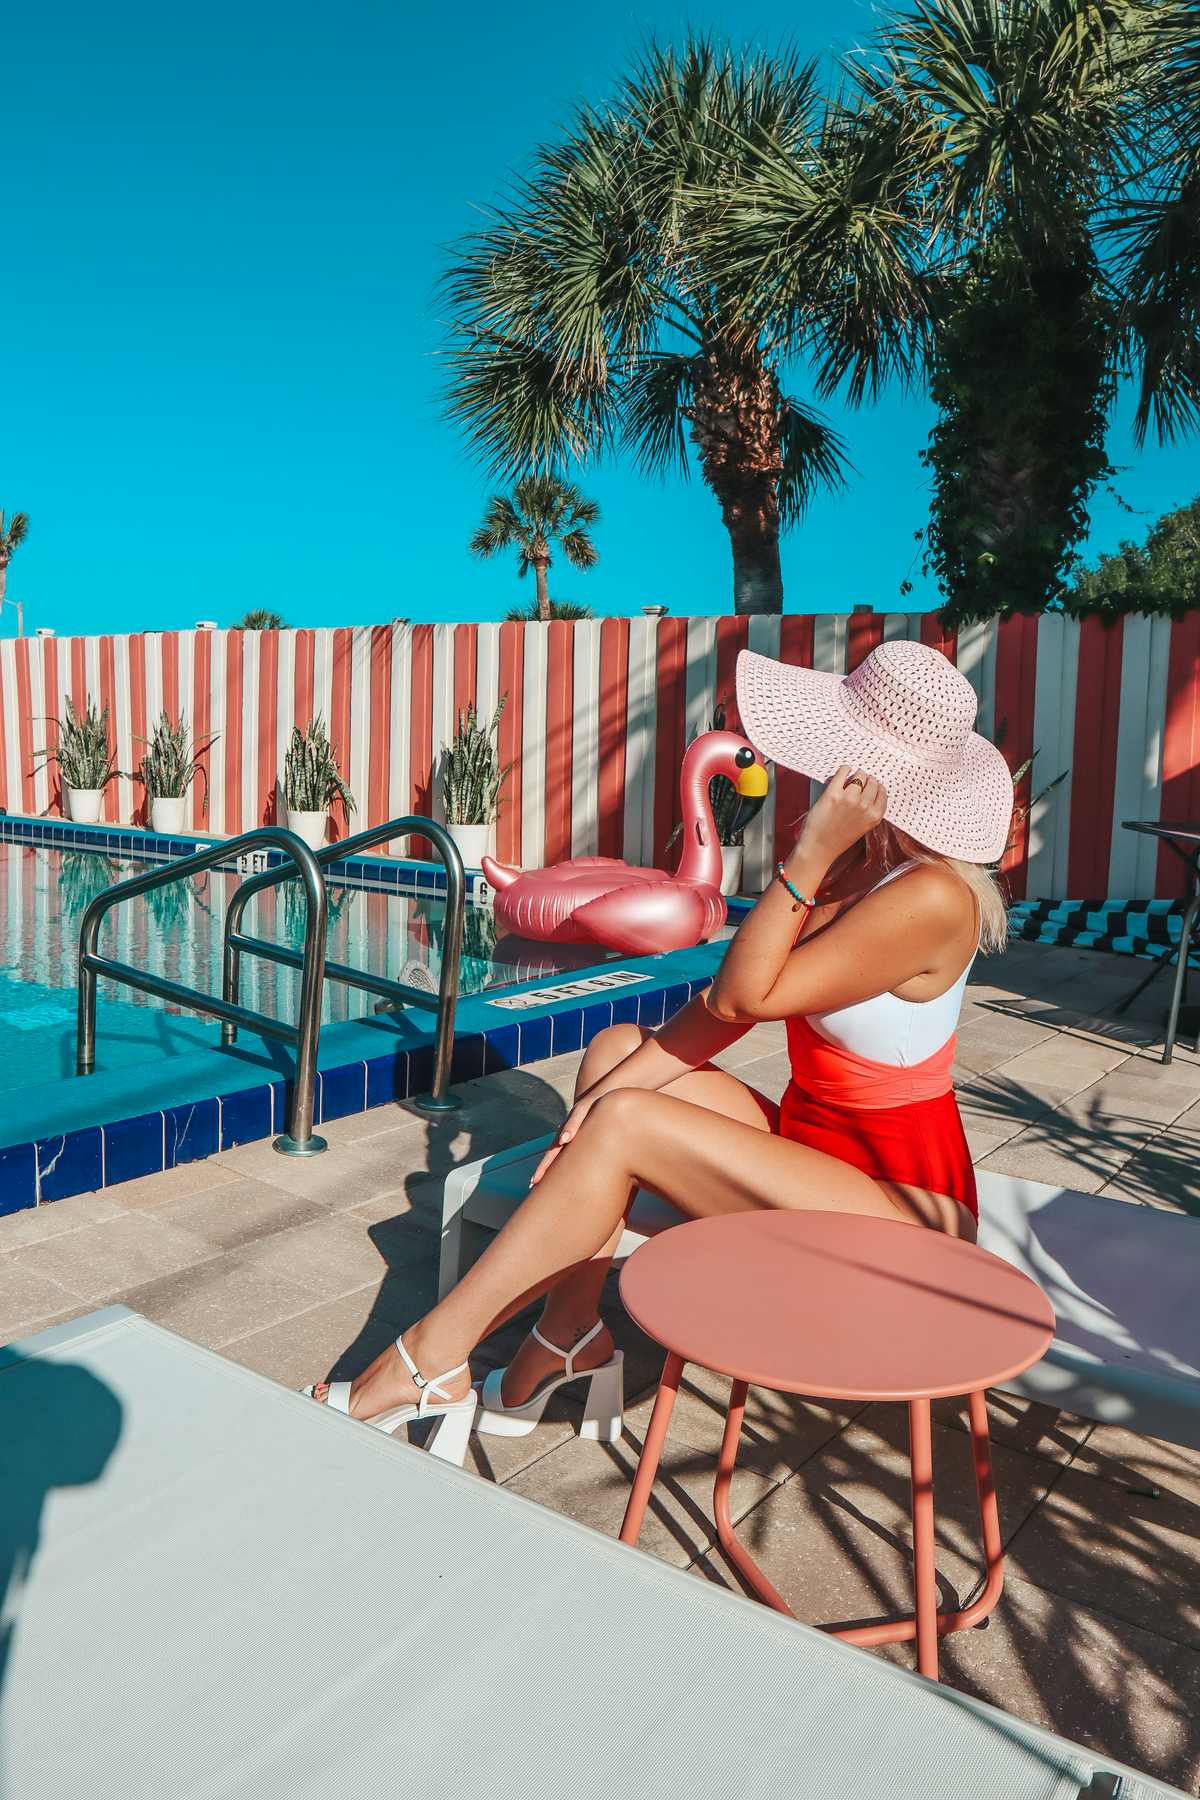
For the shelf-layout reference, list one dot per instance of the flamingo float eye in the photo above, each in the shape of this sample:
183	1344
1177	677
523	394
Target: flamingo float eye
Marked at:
744	757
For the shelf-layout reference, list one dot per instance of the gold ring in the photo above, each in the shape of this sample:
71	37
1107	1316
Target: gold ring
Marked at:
854	781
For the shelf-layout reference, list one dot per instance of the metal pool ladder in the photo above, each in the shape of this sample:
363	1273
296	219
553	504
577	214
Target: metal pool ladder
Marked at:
394	993
300	1139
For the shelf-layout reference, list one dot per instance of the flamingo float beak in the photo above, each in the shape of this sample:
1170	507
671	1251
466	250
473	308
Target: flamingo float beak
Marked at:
751	784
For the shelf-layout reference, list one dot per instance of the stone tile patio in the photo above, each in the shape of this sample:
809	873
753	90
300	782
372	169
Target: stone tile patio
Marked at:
299	1268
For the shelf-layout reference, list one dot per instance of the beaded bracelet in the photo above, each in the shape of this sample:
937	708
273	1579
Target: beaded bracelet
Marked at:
799	898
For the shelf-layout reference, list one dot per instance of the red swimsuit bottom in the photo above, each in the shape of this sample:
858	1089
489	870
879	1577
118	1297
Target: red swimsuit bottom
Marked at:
895	1124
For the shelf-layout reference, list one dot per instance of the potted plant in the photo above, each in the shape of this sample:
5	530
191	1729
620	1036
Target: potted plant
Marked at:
167	771
312	781
85	761
471	782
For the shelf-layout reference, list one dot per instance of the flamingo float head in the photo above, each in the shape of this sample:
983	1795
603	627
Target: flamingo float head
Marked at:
716	753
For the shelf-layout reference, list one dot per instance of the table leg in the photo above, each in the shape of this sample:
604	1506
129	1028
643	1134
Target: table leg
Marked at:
741	1560
989	1518
656	1437
920	1451
899	1631
1181	975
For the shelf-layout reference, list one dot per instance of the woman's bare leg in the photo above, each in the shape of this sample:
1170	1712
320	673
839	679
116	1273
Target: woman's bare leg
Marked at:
703	1163
572	1305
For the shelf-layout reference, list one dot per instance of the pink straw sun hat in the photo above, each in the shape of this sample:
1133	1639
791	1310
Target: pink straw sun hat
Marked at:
907	717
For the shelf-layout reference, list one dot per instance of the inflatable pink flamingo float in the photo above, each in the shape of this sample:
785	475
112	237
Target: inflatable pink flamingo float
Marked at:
601	900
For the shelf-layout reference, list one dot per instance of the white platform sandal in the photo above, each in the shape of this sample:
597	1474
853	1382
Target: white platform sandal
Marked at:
452	1432
604	1409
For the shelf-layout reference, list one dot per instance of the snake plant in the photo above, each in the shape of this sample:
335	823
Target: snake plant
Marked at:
312	780
84	751
471	773
171	763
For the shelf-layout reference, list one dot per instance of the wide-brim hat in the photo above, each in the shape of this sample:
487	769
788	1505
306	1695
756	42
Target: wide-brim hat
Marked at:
905	716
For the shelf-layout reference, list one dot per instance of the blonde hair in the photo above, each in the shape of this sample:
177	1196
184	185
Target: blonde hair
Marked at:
892	847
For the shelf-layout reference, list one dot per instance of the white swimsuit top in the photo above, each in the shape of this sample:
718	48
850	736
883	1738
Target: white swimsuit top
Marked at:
890	1030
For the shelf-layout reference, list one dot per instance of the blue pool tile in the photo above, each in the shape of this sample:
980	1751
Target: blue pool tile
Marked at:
387	1078
18	1178
193	1132
420	1071
134	1147
342	1091
650	1009
537	1036
596	1018
245	1117
625	1010
502	1048
467	1063
568	1031
72	1164
675	998
281	1105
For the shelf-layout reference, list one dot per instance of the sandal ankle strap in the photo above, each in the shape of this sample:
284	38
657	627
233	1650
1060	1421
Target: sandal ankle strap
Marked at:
428	1387
568	1356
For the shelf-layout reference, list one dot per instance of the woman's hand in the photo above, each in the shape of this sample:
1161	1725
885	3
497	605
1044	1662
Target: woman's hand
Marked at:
853	804
566	1132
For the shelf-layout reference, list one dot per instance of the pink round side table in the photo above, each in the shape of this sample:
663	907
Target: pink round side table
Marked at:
839	1307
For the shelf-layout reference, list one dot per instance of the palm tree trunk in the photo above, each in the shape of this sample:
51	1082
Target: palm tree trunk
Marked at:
754	539
736	418
3	577
543	589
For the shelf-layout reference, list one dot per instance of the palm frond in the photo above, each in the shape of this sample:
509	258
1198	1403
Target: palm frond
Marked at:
18	528
813	456
657	395
579	550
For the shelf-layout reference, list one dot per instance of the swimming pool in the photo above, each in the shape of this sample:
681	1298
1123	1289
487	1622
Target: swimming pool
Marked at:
176	931
167	1092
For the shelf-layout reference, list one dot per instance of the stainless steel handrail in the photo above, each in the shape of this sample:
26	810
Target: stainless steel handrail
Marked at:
301	1140
439	1098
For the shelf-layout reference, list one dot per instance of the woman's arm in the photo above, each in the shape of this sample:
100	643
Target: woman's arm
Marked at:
892	935
759	953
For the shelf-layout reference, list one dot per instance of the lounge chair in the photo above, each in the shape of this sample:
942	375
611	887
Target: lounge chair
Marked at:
219	1591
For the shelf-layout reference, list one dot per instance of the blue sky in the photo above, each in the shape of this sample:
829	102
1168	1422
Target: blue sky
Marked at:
223	229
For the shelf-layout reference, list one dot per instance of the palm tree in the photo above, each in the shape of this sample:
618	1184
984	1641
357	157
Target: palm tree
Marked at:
610	302
260	618
543	510
10	538
1021	122
1158	230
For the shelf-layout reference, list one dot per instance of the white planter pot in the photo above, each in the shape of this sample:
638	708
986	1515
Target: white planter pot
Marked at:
731	869
474	842
167	814
310	827
83	804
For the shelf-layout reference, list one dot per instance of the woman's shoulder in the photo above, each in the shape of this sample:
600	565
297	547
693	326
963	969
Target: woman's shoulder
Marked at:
940	896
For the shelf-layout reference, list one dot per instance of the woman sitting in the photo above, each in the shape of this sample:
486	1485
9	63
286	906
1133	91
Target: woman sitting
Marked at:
863	944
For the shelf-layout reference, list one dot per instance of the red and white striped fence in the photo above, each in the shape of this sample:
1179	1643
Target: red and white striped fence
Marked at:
598	714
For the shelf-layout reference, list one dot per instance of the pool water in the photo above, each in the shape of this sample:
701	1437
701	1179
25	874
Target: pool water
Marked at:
176	931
